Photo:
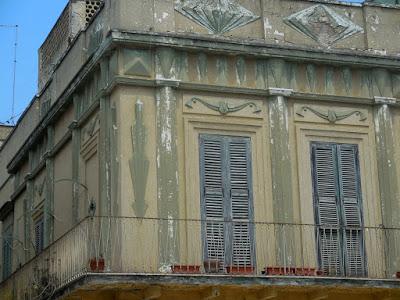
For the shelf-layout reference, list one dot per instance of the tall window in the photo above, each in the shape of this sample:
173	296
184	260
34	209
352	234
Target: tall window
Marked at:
7	251
338	210
226	200
39	234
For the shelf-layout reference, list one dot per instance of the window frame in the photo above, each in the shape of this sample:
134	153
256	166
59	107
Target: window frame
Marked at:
363	136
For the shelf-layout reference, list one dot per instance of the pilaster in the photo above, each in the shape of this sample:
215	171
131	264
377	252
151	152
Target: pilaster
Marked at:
281	165
49	200
388	181
30	190
167	158
76	137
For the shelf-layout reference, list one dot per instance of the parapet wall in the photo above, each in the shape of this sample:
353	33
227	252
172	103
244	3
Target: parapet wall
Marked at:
316	24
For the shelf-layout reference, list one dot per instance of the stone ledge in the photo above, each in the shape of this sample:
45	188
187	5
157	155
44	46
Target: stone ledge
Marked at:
90	281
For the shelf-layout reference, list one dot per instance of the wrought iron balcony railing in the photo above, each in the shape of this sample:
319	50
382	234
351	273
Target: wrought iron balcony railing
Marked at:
136	245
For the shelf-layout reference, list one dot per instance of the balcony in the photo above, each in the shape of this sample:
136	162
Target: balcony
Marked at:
102	245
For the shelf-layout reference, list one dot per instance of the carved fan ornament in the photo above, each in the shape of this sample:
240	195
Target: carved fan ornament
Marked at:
218	16
323	24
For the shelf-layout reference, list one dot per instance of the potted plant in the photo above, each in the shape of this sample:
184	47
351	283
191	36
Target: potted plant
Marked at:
101	264
93	264
187	269
240	270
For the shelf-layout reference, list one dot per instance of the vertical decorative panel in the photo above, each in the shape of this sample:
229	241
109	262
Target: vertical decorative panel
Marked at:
139	164
388	181
281	171
167	159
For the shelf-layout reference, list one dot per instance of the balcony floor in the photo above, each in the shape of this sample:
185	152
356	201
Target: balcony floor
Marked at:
171	284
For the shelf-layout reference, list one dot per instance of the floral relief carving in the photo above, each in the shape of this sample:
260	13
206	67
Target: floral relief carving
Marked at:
330	115
223	107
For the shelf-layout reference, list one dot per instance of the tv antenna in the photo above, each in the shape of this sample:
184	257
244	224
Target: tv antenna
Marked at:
15	27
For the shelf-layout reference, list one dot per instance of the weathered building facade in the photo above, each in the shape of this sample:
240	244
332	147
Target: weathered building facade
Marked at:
232	149
4	132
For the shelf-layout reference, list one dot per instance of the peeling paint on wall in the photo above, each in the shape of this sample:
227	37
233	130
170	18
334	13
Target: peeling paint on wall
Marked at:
139	164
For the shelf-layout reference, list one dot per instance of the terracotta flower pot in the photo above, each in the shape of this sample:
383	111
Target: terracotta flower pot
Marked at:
305	271
93	264
100	264
186	269
277	271
240	270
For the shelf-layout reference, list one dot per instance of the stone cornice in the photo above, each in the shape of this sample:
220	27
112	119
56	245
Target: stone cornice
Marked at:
258	48
279	92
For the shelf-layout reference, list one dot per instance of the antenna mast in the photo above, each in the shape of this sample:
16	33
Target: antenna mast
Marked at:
12	118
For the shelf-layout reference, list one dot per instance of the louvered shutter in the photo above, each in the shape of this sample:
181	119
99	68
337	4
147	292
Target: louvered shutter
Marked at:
7	252
211	167
351	210
39	234
240	201
326	207
225	167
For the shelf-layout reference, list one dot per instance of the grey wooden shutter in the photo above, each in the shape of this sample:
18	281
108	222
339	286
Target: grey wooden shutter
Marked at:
240	200
326	207
39	235
212	194
226	192
351	210
337	200
7	252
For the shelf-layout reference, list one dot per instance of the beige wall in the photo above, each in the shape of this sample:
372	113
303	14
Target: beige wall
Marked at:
63	191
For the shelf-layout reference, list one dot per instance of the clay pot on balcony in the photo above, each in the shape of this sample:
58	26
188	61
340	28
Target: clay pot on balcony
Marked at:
93	264
240	270
100	264
306	272
277	271
186	269
212	266
398	275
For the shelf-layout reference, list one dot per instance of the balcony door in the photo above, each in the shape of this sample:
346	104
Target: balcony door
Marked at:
226	201
338	209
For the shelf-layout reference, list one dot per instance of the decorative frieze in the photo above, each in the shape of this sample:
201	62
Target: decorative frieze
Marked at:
223	107
331	116
323	24
216	16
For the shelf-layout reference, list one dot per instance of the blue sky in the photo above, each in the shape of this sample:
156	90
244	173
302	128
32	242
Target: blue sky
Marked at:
35	19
